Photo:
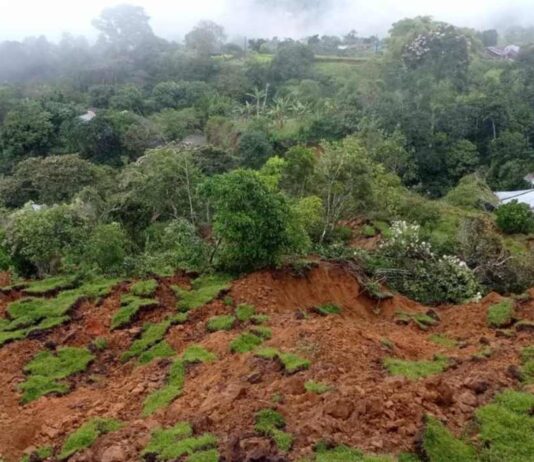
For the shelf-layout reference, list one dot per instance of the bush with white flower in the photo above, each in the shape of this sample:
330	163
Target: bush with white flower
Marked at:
409	265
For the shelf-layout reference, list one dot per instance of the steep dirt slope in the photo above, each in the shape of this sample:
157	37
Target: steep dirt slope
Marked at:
365	408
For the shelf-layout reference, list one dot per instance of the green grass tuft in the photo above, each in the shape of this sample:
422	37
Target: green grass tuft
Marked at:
328	309
421	320
211	455
291	362
29	315
86	435
262	332
176	379
259	319
159	350
100	343
44	286
204	290
41	453
443	340
130	307
245	342
224	322
145	288
345	454
46	370
271	423
441	446
527	364
414	370
507	427
316	387
501	314
178	441
198	354
244	312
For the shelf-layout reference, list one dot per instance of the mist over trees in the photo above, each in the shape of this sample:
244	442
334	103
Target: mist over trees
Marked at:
208	154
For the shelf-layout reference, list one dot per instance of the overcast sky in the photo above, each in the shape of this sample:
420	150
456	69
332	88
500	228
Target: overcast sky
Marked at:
173	18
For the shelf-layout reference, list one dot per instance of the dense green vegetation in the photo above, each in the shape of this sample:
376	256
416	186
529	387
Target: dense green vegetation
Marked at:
289	140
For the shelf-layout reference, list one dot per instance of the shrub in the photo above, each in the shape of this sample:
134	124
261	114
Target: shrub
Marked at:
254	149
38	237
515	217
255	232
411	267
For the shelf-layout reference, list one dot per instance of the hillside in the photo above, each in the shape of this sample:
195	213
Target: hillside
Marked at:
334	387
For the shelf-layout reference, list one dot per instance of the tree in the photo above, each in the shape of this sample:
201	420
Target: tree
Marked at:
39	237
124	27
292	61
515	217
462	159
48	180
252	222
96	140
129	98
254	149
490	38
206	38
344	181
105	249
297	176
162	185
27	129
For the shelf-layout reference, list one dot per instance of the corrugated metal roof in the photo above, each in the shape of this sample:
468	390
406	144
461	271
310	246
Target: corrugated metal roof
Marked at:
525	196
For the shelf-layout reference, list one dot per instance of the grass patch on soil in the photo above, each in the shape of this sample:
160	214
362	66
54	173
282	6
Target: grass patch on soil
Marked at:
421	320
44	286
203	290
501	314
245	342
86	435
527	364
152	336
271	423
244	312
178	441
443	340
47	370
316	387
342	453
145	288
224	322
41	453
291	362
414	370
328	309
507	427
130	307
176	378
440	445
29	315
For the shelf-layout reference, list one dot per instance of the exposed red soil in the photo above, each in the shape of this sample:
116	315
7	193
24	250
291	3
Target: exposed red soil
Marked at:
366	408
